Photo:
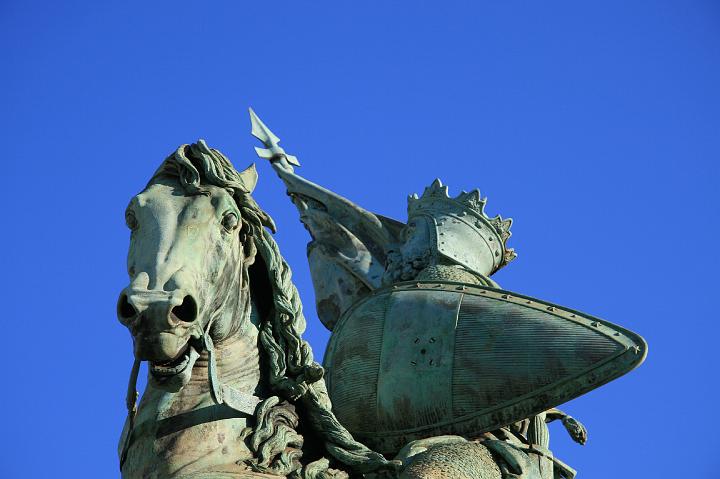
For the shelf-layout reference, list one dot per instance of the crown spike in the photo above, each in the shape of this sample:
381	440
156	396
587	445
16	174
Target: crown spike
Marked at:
436	188
471	198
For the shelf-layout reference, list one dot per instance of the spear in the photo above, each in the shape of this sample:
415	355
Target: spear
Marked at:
272	148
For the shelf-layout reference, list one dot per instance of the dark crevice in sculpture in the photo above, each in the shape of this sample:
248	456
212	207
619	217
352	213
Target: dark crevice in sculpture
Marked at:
125	309
187	310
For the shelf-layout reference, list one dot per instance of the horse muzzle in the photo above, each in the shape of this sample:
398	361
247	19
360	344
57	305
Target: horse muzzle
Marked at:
161	322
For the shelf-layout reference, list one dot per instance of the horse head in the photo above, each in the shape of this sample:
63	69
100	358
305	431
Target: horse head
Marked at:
188	260
204	271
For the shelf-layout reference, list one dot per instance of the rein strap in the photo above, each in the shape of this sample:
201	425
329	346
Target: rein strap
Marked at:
224	394
131	404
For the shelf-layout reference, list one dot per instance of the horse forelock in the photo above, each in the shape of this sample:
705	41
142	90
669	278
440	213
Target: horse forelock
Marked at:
196	165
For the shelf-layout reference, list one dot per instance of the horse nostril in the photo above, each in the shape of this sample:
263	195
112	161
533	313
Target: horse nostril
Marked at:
126	310
187	311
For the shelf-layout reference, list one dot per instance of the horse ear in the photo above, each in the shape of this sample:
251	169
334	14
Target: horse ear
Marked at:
248	178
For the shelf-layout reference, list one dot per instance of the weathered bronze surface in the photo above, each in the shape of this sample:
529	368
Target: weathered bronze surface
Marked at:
427	351
430	362
429	358
233	390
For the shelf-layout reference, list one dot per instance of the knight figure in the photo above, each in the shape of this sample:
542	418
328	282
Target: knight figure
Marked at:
354	252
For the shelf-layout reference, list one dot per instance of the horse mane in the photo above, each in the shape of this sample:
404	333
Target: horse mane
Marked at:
294	375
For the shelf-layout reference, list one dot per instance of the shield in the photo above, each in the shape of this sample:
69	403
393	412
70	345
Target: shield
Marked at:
429	358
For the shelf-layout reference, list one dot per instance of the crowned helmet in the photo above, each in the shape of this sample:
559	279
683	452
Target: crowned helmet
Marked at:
464	234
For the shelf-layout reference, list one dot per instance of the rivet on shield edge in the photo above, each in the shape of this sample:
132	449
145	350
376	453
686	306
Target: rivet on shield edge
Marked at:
550	308
616	334
528	301
506	296
482	291
595	323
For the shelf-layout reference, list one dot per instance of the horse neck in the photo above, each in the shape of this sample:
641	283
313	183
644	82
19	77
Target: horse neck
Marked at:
191	430
237	358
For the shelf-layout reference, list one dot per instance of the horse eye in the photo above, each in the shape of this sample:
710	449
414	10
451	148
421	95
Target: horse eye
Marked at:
230	221
131	221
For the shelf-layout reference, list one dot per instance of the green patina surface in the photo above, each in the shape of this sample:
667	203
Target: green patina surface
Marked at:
429	363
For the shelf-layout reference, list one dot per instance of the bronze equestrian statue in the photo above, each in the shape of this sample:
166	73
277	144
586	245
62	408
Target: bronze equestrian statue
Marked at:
432	371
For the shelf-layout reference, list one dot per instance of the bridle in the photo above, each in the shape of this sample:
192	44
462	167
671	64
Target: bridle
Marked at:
222	393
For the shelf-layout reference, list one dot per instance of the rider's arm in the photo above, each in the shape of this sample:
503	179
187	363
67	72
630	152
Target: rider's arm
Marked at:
359	221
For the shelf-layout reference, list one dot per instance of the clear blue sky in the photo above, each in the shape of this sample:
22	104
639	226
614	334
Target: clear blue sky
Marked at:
595	125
